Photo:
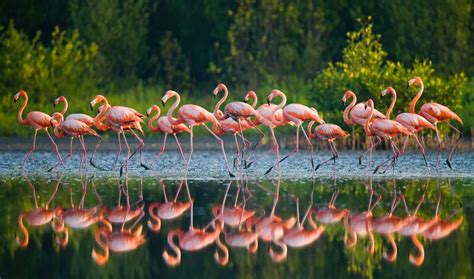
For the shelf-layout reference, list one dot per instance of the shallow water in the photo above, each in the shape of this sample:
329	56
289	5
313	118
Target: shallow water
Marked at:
328	256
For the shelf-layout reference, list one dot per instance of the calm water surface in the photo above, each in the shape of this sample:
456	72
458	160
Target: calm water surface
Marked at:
334	253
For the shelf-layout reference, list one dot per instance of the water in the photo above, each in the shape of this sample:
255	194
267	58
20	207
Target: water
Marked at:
329	256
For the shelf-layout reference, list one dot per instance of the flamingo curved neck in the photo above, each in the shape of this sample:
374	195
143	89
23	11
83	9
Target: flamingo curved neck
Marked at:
347	120
63	100
172	108
417	97
173	260
220	116
417	260
280	106
22	108
311	133
153	119
253	96
392	103
100	118
23	243
369	119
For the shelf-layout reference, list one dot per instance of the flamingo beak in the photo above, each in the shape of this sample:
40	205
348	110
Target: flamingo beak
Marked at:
91	106
268	101
163	102
342	102
246	101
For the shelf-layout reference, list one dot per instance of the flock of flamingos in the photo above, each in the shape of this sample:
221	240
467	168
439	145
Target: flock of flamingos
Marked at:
238	117
242	224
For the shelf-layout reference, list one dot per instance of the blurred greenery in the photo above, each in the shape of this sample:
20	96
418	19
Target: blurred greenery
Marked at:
133	50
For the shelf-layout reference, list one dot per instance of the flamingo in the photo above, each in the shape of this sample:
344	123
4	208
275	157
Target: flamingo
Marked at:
236	215
436	113
39	216
412	121
163	125
90	121
329	133
296	114
120	119
442	228
383	128
192	240
229	124
168	210
124	240
358	114
417	225
39	121
74	129
193	115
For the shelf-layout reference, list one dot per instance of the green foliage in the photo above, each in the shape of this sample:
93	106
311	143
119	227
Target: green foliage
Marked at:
365	69
66	67
119	27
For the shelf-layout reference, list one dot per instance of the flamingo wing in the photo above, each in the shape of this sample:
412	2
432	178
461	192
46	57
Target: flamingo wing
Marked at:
81	117
435	112
38	119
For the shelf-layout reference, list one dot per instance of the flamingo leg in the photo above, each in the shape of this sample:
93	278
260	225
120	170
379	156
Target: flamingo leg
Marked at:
334	156
164	191
140	149
377	143
128	153
448	160
65	157
438	147
221	142
295	150
119	150
33	147
405	143
190	152
84	152
238	150
422	151
393	158
262	136
179	147
163	147
179	191
91	161
55	146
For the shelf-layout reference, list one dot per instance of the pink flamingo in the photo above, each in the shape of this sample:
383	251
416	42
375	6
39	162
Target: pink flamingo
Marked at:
436	113
164	126
39	121
90	121
236	215
386	129
412	121
74	129
169	210
296	114
228	124
121	119
329	133
193	115
358	114
442	228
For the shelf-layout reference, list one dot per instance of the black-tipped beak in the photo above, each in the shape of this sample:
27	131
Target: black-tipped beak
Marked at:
54	104
147	114
162	102
214	96
51	122
342	102
408	85
365	106
246	101
91	107
14	100
268	101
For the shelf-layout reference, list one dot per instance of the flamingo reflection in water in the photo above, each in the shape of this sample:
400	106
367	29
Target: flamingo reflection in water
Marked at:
194	239
168	210
78	217
389	224
442	228
361	224
330	214
39	216
417	225
236	215
123	214
298	236
124	240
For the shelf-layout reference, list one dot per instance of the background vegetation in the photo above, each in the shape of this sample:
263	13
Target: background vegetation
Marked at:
133	50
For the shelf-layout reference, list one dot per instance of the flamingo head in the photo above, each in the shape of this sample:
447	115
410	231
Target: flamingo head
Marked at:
369	103
168	94
17	95
414	81
96	100
346	96
388	90
58	100
151	109
56	119
250	95
272	95
219	88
